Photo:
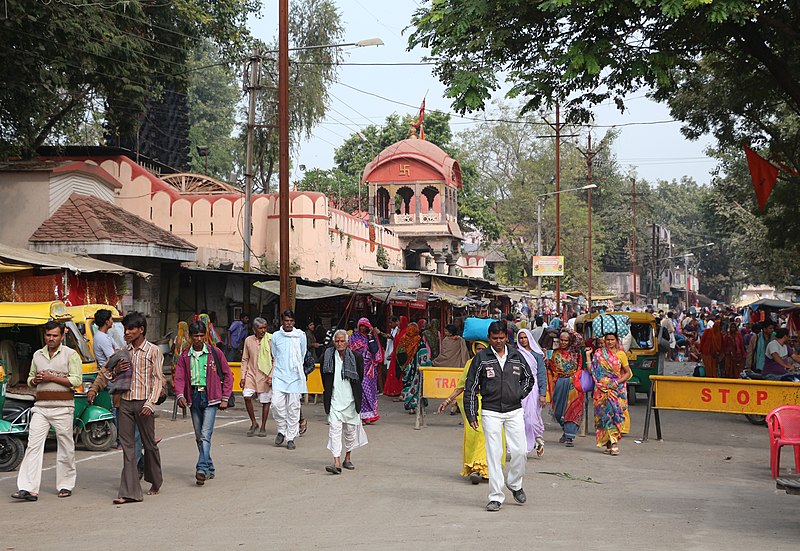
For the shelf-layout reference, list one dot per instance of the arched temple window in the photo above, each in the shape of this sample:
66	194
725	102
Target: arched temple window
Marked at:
382	205
402	200
429	193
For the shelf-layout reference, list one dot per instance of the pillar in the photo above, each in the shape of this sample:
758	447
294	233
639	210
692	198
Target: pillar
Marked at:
440	260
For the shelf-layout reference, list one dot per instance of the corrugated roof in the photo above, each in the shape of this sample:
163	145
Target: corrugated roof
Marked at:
87	219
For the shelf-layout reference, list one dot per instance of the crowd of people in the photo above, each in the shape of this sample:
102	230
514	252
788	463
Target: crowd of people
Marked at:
502	393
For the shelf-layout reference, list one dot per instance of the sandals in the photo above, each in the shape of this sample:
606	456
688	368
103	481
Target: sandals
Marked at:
333	469
614	450
64	493
123	501
25	495
252	430
303	426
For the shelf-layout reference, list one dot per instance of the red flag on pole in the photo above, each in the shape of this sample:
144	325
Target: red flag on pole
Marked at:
764	175
420	120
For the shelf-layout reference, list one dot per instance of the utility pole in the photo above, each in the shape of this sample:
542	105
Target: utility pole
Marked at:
633	252
283	151
251	88
557	129
589	154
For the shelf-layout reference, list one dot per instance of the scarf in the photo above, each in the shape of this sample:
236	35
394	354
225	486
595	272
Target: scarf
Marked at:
182	339
410	341
475	346
296	355
349	369
265	354
531	341
453	353
212	338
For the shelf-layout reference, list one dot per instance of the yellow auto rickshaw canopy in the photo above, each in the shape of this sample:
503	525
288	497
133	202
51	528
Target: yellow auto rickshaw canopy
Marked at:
32	313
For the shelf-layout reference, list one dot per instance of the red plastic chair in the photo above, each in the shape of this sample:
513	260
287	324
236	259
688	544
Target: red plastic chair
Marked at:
784	430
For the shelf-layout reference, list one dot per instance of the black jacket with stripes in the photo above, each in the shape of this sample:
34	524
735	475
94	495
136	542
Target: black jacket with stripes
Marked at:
501	390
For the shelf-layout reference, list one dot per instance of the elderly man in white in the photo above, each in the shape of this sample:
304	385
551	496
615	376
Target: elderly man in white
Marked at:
342	371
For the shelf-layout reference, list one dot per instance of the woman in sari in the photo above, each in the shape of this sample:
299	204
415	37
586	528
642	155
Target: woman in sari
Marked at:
182	339
610	371
532	404
408	354
733	349
212	337
430	334
364	340
393	385
473	464
565	399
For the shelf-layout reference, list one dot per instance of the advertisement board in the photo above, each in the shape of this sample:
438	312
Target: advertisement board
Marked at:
547	266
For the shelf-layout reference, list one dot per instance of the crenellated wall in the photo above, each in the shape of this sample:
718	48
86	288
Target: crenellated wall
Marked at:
324	242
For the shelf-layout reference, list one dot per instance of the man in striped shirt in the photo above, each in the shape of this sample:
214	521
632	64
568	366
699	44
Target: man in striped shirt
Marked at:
136	411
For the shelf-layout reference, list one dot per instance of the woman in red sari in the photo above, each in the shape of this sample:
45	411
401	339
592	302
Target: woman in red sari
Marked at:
711	349
393	385
733	348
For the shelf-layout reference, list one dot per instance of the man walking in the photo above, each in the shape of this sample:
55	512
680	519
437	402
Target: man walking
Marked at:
287	379
55	373
136	410
256	366
204	382
342	371
502	378
236	337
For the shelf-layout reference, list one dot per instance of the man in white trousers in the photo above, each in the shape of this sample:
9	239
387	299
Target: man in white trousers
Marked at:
55	373
287	379
342	371
502	378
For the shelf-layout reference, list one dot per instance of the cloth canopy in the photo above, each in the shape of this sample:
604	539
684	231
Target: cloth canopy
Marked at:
58	261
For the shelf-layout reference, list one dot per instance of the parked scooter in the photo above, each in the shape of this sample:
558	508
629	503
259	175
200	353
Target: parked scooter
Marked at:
756	376
93	424
12	448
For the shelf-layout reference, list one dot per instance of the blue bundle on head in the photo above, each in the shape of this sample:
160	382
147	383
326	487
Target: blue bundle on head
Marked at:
610	323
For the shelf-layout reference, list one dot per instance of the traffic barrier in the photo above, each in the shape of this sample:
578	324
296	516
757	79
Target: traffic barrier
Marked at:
739	396
436	383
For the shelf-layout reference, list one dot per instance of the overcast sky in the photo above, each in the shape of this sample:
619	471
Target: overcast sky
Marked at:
653	151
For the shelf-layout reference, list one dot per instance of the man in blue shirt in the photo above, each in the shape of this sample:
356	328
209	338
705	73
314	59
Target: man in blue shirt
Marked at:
237	333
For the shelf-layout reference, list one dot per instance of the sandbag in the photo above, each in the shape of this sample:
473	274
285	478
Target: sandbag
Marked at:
477	329
610	323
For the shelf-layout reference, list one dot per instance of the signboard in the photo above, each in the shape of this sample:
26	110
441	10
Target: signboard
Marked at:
544	266
439	382
723	395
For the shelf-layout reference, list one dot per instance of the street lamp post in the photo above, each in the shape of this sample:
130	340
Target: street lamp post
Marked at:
539	200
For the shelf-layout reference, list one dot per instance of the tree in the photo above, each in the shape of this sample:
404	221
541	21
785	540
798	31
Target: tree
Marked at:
213	96
61	60
311	72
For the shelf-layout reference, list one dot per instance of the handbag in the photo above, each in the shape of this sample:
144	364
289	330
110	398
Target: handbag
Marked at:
584	381
309	363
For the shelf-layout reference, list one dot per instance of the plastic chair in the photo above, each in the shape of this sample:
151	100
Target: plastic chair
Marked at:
784	430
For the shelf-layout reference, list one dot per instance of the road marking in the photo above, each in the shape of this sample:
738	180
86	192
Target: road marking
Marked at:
115	452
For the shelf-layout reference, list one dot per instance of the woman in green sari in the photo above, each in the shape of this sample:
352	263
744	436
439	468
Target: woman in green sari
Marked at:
473	465
411	352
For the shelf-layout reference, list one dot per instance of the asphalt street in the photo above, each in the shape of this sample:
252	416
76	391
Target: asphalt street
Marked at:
705	486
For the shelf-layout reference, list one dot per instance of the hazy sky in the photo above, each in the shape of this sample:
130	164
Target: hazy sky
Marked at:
653	151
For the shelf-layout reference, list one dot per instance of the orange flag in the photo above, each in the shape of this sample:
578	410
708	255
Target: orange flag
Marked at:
420	120
764	175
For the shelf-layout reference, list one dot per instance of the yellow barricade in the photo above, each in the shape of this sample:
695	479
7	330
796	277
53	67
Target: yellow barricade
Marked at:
439	382
742	396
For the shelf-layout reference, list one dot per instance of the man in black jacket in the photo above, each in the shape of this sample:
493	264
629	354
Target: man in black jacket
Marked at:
503	378
342	372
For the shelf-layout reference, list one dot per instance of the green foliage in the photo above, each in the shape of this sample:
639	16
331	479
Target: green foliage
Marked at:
311	72
382	257
213	95
64	60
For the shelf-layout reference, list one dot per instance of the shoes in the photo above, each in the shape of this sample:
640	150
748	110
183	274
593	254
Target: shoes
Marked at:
210	476
475	477
519	495
493	506
25	494
252	430
569	443
614	450
333	469
539	447
290	445
200	478
303	426
279	439
348	465
262	433
562	439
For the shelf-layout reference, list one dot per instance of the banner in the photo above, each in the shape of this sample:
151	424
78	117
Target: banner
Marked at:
545	266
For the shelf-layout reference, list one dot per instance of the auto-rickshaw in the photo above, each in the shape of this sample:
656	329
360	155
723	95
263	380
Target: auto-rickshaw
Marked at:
83	318
643	352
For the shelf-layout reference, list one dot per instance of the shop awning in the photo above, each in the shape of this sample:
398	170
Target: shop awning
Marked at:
770	303
6	267
310	292
61	261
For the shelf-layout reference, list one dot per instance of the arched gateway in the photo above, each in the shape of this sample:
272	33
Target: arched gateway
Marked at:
413	187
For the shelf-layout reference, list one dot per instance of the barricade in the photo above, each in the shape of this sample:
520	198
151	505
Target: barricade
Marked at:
436	383
740	396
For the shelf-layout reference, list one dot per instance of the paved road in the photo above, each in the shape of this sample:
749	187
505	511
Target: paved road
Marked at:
706	486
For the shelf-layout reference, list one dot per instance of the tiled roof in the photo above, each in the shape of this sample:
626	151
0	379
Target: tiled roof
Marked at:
84	218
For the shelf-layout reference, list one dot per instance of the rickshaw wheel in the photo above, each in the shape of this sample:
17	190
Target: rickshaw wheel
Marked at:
759	420
99	436
12	450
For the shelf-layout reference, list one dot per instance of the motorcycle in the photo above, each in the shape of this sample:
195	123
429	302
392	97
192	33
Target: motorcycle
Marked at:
761	420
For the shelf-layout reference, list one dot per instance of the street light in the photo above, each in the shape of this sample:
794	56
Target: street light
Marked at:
539	199
686	266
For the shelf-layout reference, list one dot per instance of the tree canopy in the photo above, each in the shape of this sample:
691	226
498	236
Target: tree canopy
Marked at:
62	60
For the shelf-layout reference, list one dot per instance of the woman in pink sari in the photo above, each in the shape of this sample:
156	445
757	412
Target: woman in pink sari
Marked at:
364	340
